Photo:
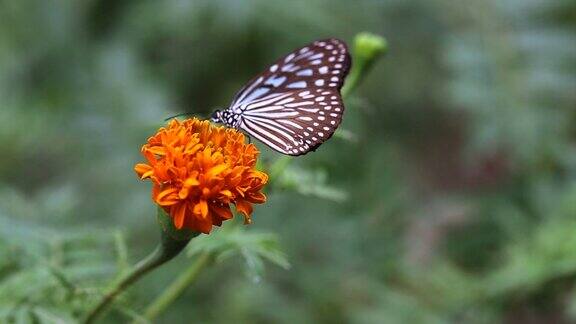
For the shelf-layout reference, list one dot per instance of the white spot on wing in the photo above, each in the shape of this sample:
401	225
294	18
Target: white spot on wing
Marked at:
256	94
289	57
312	110
289	122
267	100
316	56
319	82
275	81
272	114
306	72
297	85
290	67
285	101
298	104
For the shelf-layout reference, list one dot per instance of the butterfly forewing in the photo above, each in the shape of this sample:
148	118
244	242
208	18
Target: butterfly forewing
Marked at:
295	105
321	64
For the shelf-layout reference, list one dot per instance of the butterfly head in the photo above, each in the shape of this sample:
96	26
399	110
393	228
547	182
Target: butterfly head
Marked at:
216	116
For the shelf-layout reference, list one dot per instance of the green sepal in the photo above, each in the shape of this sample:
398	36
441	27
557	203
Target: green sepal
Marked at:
169	229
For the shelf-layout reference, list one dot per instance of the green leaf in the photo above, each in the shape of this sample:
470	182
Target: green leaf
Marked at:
253	248
309	183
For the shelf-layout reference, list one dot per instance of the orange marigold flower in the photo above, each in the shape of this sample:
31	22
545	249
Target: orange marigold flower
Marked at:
198	170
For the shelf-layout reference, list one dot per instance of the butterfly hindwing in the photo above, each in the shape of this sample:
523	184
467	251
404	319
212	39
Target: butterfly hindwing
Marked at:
295	105
296	122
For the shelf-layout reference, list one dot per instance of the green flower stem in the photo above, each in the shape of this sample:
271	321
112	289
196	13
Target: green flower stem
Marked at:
178	286
166	251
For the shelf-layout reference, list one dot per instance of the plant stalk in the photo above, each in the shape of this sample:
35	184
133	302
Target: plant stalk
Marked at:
177	287
166	251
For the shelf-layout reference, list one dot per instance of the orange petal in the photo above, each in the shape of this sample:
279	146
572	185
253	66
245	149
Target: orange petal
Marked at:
194	149
244	207
257	197
214	171
221	211
179	215
155	191
204	225
183	193
167	197
143	170
226	193
203	208
158	150
192	181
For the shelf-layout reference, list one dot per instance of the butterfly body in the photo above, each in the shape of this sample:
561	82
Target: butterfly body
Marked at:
295	105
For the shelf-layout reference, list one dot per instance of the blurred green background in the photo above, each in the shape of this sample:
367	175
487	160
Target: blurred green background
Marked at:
450	199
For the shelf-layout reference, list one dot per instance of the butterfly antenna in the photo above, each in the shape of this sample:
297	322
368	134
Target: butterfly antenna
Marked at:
200	116
176	116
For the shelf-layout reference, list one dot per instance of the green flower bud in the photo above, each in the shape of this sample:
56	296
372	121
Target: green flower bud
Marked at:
368	46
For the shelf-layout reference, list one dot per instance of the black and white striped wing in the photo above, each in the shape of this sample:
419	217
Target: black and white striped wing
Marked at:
295	105
295	122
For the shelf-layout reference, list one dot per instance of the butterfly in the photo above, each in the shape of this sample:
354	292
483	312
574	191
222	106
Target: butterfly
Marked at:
295	105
